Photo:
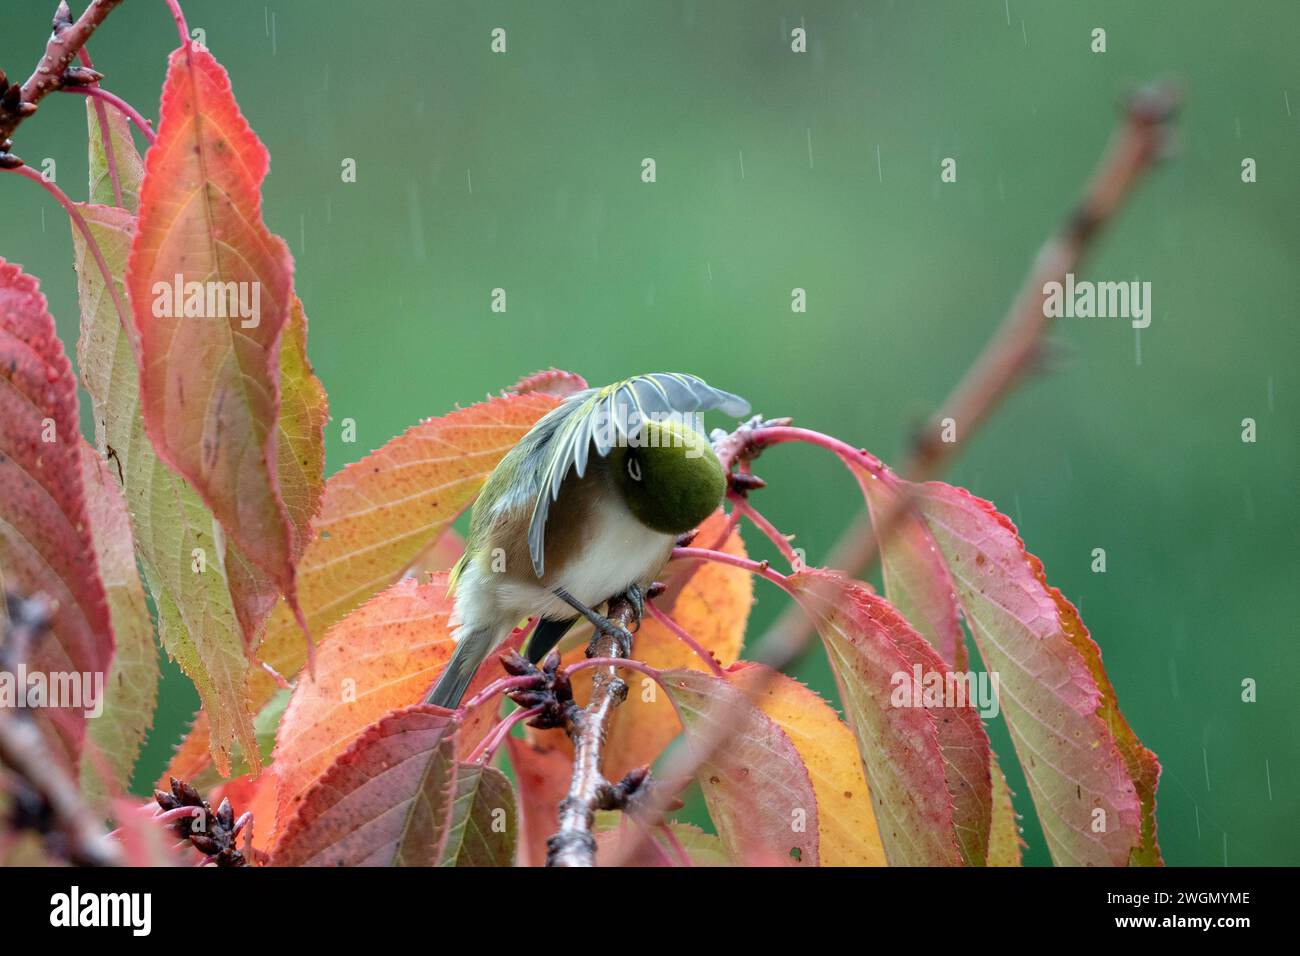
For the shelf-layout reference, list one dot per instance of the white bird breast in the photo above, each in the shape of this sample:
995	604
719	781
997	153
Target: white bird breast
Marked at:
618	551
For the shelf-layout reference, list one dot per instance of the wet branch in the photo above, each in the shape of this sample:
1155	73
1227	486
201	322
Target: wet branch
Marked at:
574	844
1014	351
45	796
54	71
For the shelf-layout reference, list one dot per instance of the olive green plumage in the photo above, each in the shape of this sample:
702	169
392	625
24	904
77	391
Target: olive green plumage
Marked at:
586	505
673	481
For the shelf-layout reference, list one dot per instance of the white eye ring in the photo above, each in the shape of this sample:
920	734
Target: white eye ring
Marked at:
634	468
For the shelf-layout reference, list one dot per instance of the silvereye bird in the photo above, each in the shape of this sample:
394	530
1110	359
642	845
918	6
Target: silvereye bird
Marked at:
586	507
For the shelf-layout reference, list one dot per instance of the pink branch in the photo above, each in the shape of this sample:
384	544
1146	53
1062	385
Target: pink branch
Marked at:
761	568
122	106
743	507
105	136
685	638
179	16
496	687
80	222
612	662
484	751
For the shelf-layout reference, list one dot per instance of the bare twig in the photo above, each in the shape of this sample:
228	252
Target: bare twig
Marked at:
48	797
53	72
574	844
1013	351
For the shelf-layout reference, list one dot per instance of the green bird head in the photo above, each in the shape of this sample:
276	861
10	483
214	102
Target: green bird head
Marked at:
669	476
680	482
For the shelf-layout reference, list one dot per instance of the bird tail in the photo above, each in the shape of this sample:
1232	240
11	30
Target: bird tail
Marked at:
546	635
471	648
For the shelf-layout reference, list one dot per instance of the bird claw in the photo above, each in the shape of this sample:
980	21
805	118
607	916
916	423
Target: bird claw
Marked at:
636	597
620	634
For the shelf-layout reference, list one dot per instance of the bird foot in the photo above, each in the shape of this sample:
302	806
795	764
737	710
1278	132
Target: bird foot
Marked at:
603	625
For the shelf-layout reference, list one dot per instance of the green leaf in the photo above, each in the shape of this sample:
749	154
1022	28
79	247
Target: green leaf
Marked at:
114	153
131	689
174	532
484	823
1005	841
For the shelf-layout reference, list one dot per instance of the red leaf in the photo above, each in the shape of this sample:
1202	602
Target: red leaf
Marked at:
758	789
210	386
388	801
45	533
928	766
1092	781
543	776
916	580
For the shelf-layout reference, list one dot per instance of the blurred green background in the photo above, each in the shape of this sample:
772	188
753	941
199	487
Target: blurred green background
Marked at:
819	171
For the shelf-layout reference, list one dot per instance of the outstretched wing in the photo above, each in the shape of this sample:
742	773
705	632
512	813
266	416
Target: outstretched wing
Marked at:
601	417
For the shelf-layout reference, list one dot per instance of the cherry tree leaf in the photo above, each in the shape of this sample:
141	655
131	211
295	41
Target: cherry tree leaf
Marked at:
846	827
916	581
211	290
927	763
46	547
387	801
918	584
300	471
384	656
1092	781
1005	841
176	537
116	169
131	688
553	382
711	602
484	823
758	789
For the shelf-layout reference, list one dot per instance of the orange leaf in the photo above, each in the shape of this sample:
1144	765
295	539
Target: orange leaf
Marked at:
209	382
385	655
45	532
